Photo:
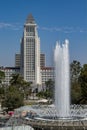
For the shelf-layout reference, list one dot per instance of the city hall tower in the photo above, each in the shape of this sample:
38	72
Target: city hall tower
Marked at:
30	52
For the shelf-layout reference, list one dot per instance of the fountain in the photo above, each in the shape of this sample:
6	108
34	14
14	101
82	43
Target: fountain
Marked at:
60	115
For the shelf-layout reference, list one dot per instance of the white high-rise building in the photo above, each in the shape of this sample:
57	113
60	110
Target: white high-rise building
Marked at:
30	52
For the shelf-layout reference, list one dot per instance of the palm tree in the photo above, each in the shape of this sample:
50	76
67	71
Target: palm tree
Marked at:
16	79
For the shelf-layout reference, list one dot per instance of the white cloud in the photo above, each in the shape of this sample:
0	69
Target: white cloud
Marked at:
46	29
14	26
64	29
67	29
3	25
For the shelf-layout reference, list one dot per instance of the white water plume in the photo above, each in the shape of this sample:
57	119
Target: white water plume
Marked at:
62	80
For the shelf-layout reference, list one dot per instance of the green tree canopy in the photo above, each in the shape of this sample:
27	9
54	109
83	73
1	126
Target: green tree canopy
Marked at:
83	82
49	88
2	76
49	92
75	70
13	99
18	81
2	93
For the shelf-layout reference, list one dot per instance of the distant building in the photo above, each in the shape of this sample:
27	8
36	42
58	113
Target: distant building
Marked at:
30	52
8	73
17	60
47	73
42	60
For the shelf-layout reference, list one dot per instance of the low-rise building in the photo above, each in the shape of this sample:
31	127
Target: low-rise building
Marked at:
46	74
8	73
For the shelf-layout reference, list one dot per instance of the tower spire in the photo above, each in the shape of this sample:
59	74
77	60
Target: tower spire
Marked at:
30	19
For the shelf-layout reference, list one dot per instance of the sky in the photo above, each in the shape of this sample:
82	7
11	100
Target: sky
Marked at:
57	20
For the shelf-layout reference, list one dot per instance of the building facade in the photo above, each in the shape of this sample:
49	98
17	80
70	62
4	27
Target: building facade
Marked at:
47	73
42	60
30	52
17	60
8	73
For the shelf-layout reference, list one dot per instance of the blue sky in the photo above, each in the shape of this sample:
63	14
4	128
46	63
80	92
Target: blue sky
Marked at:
57	20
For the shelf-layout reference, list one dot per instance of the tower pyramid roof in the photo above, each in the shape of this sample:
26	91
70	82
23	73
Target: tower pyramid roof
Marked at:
30	19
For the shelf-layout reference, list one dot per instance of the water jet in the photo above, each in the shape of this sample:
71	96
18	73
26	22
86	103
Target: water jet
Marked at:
62	85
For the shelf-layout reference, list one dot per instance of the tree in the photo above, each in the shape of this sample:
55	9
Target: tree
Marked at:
49	89
13	99
49	92
83	82
75	93
75	70
16	80
2	93
41	94
2	76
26	87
